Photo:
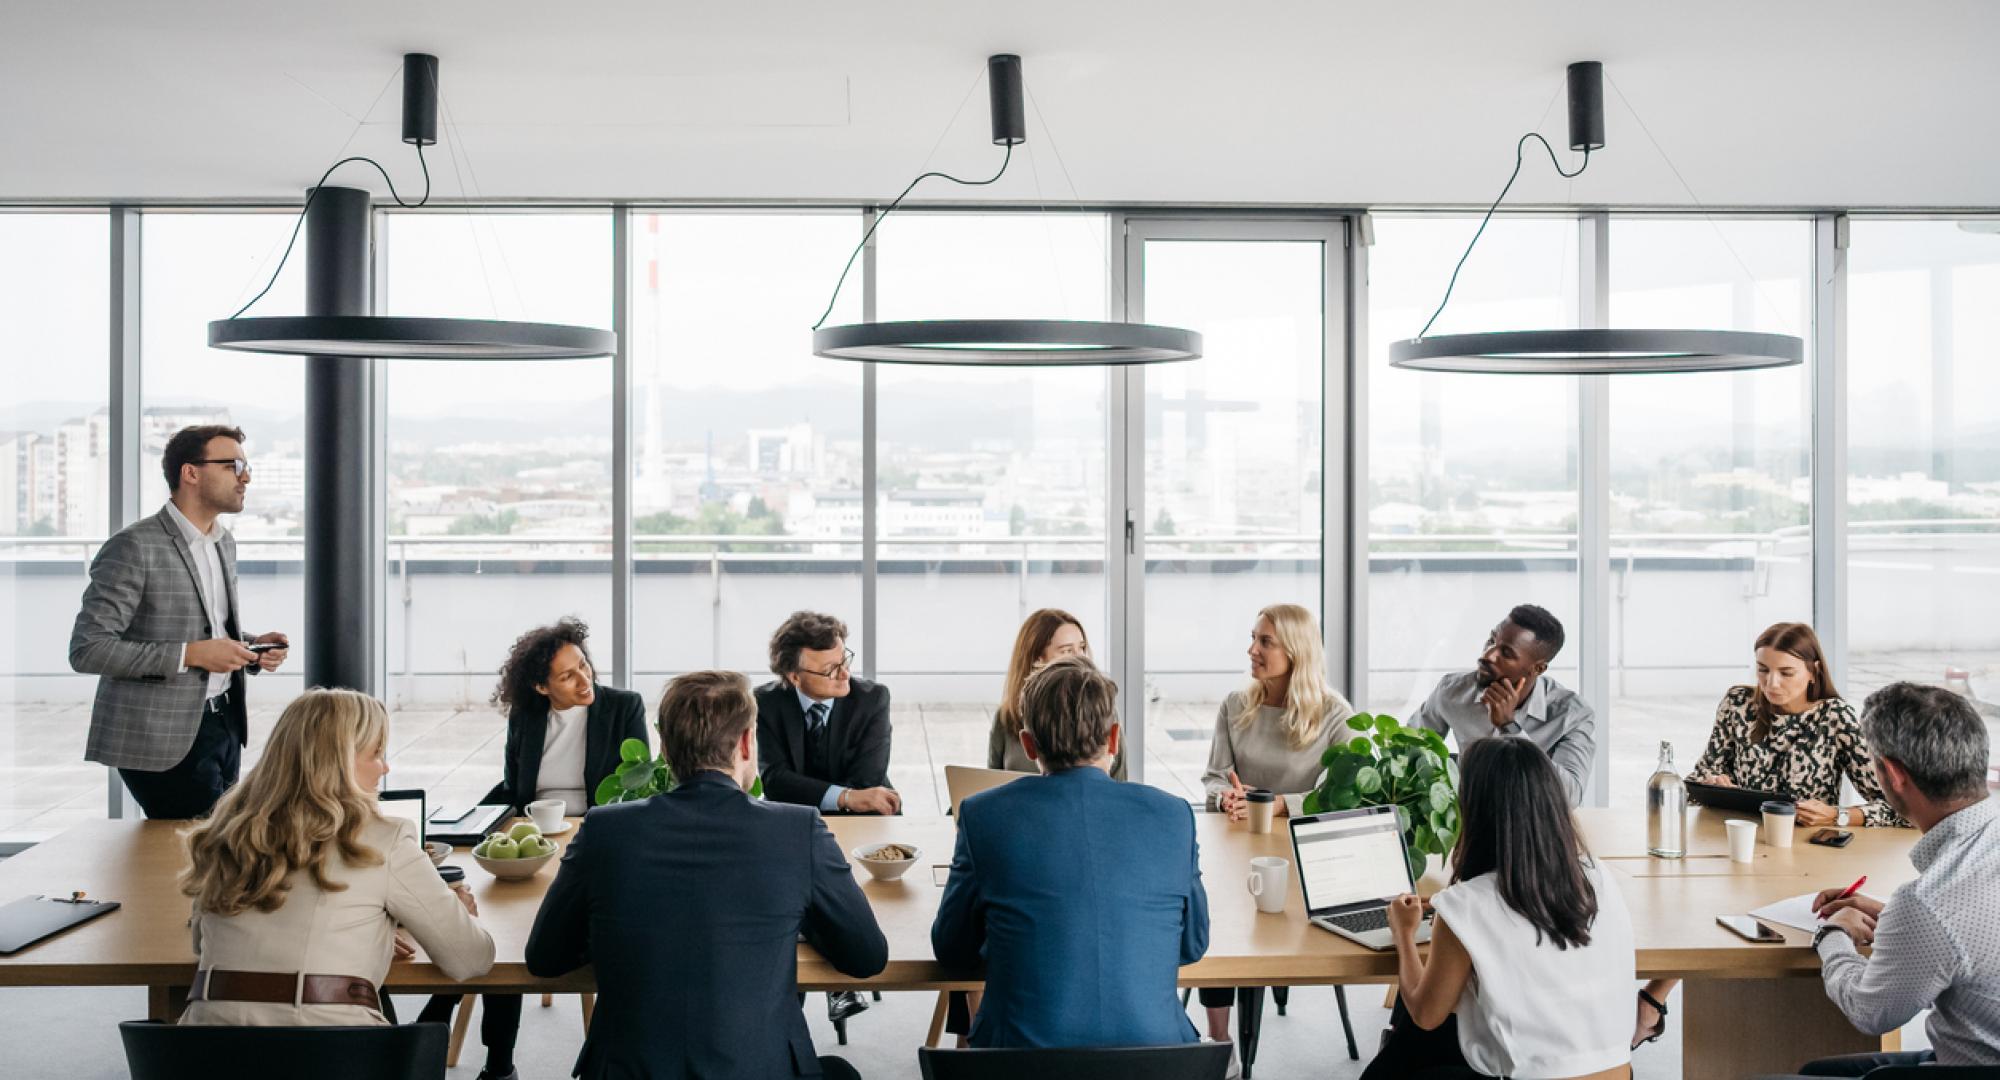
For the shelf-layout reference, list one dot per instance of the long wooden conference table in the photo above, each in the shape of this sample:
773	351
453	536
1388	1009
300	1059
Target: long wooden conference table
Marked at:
1746	1008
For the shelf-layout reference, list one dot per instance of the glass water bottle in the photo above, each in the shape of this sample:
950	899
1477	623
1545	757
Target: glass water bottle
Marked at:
1666	809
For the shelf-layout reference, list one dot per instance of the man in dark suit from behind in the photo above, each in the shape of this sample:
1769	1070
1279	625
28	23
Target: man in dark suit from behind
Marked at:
1081	896
691	905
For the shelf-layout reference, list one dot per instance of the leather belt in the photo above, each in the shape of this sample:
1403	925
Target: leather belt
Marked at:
282	988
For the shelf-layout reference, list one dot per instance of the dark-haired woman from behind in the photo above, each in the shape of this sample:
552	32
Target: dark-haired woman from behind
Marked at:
1531	954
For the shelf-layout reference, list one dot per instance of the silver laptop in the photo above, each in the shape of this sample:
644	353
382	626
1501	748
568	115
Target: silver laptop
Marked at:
1351	865
964	781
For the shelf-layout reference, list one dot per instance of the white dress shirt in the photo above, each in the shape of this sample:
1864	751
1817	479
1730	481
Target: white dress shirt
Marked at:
207	549
1937	946
561	776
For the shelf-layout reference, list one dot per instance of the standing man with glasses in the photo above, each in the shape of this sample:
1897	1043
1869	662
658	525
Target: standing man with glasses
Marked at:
160	628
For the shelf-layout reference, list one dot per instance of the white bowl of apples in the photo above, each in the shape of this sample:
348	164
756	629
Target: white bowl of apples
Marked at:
516	854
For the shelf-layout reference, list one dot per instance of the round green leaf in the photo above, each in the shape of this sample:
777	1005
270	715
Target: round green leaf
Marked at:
635	779
633	750
1346	799
1361	722
1440	796
1367	781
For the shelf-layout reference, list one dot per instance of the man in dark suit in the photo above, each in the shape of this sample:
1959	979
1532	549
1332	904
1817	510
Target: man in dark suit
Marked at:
160	626
823	735
1082	896
563	736
691	905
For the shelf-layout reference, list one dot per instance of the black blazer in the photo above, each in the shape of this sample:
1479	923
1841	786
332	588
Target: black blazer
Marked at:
858	741
614	716
691	905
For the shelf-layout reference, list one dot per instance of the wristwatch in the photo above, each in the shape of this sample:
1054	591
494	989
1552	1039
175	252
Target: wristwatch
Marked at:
1840	817
1830	928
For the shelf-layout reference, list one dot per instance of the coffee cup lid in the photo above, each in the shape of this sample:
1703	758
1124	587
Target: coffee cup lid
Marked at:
1776	807
451	873
1259	795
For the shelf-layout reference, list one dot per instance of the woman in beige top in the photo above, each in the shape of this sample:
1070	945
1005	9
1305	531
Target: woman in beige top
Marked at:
299	882
1271	734
1048	635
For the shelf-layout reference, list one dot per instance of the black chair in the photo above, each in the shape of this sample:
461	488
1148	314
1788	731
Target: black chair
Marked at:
157	1051
1934	1072
1195	1061
1250	1021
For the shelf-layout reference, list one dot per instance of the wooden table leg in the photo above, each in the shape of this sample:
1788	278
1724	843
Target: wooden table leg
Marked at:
166	1003
937	1019
1745	1027
459	1025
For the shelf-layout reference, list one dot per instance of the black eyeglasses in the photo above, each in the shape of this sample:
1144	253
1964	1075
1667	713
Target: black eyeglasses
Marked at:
846	663
238	465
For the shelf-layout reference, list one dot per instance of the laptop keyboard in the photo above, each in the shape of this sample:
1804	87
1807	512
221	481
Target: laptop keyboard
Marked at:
1359	922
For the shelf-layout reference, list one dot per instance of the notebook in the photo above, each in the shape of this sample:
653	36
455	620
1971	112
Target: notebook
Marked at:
32	918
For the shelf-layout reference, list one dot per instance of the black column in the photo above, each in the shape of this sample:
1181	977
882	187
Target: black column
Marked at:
339	625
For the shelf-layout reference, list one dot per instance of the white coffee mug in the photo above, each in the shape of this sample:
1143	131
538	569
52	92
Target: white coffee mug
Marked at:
547	814
1268	878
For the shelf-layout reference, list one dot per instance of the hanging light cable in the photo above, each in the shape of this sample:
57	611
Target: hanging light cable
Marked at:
1584	351
996	342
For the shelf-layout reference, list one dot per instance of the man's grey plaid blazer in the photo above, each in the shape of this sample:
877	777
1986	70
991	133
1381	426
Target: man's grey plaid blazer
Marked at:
142	604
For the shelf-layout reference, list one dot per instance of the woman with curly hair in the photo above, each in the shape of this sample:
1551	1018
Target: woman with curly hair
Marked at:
299	882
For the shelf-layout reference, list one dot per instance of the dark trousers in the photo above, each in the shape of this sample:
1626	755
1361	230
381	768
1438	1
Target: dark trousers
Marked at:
1413	1052
499	1021
834	1068
1863	1064
189	789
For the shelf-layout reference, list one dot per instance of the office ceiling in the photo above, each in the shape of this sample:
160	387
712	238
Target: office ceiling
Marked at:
1780	103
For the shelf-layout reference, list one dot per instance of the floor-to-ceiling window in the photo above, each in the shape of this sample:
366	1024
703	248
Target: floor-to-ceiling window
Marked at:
499	478
990	484
54	508
1711	481
1472	479
747	448
1233	463
1923	482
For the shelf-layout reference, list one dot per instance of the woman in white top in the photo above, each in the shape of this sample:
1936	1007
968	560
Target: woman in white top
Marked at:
1271	734
299	882
1531	952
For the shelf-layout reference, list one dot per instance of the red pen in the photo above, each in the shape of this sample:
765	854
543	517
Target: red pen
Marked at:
1850	890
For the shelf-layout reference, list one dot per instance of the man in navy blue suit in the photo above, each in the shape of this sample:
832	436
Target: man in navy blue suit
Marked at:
691	905
1081	895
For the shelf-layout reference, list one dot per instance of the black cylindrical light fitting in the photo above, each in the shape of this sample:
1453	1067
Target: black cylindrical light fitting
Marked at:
1003	87
1586	105
420	99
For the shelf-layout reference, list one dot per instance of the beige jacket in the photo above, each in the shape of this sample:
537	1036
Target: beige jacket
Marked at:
347	932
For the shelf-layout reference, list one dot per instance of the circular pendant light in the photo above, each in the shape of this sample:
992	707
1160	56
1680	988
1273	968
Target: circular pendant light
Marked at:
1597	352
398	337
395	337
996	342
1008	343
1592	351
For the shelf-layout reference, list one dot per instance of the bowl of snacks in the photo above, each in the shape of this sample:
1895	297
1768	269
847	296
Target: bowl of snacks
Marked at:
887	862
438	850
518	853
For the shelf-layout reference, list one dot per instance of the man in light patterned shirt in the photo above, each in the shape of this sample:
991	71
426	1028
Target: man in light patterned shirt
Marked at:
1937	940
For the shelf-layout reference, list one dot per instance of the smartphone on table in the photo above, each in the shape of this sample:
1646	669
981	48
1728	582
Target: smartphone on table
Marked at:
1750	929
1832	838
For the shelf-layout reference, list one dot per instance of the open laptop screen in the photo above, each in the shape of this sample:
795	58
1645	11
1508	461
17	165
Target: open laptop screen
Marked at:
405	803
1350	857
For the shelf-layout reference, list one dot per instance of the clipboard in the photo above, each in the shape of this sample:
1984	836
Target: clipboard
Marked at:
32	918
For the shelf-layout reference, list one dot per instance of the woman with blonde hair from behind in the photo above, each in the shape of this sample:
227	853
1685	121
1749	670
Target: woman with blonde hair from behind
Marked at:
1270	735
299	882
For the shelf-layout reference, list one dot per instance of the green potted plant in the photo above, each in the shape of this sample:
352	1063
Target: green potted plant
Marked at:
641	776
1391	765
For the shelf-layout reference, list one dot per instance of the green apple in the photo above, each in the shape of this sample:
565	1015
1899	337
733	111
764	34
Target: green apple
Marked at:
503	848
534	847
480	849
522	831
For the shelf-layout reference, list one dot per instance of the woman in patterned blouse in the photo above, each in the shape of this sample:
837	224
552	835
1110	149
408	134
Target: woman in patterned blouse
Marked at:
1790	733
